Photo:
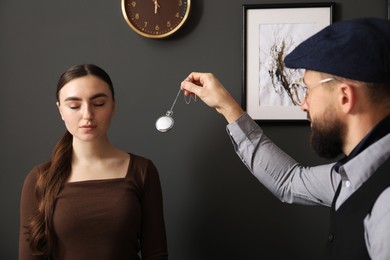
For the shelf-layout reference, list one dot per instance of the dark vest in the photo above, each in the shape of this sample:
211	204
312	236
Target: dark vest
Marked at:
346	238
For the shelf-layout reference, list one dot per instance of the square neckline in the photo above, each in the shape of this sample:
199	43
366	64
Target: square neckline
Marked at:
129	167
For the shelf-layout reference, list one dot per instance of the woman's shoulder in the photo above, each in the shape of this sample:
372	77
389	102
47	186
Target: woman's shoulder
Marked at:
141	168
136	158
30	181
34	173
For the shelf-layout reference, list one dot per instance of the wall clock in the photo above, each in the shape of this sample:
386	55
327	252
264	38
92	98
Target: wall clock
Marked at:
155	18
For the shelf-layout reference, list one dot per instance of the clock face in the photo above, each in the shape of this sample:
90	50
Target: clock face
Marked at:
155	18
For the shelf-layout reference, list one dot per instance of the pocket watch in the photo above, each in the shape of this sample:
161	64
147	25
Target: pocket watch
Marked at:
155	18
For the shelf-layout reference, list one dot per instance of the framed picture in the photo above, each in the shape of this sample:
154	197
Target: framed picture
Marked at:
270	32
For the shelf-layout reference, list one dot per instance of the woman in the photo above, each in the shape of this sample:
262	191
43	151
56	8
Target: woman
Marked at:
91	200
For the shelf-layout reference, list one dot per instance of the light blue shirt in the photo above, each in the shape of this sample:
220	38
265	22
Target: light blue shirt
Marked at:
294	183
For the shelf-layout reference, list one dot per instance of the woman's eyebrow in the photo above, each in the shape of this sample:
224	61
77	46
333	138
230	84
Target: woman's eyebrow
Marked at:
98	95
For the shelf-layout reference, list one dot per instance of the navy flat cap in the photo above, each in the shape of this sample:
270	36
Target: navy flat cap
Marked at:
356	49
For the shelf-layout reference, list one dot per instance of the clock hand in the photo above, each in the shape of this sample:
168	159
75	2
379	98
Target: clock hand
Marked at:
156	6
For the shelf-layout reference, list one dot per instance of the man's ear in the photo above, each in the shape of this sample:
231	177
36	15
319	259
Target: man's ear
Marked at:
347	97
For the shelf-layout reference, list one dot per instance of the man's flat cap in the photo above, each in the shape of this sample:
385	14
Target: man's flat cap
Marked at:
357	49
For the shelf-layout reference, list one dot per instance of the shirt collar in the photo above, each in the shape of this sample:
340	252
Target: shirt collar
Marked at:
379	131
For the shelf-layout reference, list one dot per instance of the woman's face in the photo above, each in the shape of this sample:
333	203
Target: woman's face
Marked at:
86	105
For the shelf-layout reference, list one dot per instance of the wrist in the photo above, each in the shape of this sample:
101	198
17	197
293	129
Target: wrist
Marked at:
231	112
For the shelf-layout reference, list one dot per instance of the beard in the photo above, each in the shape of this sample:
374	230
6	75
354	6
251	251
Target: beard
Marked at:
327	136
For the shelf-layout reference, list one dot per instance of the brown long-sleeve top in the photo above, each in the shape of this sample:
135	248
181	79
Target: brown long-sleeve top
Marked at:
103	219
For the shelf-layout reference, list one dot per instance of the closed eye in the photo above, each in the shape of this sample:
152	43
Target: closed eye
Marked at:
74	106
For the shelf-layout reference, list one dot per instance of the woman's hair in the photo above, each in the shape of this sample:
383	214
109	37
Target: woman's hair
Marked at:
79	71
56	172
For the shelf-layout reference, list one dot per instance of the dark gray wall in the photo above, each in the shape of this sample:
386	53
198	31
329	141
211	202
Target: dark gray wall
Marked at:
214	208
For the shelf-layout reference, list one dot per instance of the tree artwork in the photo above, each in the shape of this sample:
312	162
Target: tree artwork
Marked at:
276	41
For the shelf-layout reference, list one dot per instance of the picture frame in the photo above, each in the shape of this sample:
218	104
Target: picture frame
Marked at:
270	32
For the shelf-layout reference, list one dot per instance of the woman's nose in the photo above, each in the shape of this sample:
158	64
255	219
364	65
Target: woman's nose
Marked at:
88	112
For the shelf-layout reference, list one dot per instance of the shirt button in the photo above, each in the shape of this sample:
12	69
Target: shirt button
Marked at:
331	237
347	184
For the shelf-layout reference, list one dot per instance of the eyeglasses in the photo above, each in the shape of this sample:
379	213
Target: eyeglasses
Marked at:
298	90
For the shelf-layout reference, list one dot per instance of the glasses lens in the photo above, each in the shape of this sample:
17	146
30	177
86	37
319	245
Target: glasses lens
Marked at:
298	93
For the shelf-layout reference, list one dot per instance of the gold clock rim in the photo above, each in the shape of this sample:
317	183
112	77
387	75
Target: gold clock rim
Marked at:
135	29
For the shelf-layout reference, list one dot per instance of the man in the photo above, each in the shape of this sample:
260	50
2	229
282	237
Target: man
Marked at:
347	100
